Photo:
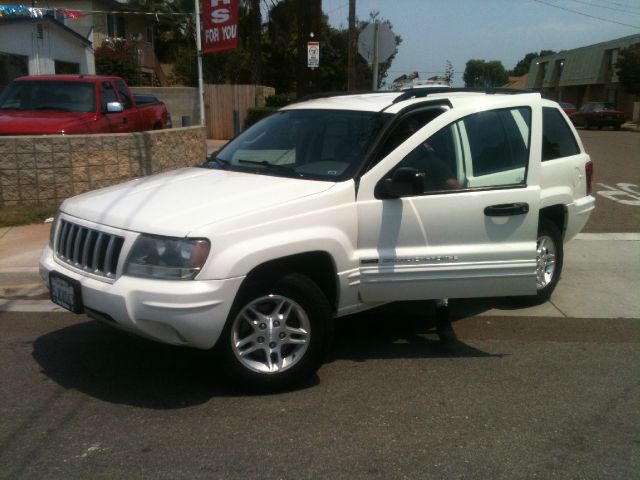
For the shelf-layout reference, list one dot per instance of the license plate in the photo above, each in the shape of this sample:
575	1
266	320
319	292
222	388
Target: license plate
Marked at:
65	292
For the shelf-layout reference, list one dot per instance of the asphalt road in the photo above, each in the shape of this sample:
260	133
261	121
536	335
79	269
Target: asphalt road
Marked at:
520	396
616	159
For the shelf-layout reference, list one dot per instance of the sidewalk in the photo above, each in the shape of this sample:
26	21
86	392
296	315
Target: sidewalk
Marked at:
20	249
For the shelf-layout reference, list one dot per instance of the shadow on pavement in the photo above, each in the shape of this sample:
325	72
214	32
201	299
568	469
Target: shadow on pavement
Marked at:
398	330
117	367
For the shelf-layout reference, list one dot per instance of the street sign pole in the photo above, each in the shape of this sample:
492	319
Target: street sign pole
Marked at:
375	56
199	55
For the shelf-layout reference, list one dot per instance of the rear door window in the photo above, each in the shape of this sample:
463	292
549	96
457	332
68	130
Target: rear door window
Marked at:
558	140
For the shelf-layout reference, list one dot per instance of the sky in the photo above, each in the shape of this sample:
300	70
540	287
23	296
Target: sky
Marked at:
434	31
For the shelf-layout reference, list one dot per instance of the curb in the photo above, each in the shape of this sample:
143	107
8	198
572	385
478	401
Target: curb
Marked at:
21	282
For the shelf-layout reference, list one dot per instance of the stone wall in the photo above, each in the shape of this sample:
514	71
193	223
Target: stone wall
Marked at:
48	169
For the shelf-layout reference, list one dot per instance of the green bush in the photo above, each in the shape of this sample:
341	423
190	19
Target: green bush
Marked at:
280	100
254	115
118	57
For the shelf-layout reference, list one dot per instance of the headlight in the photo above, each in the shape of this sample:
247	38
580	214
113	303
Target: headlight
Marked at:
167	258
52	232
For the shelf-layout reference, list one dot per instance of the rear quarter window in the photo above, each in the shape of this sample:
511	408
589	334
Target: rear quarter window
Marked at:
557	138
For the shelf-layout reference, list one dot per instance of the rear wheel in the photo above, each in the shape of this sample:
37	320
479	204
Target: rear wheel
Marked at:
277	336
549	258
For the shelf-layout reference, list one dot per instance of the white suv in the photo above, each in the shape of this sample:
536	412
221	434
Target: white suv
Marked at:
328	207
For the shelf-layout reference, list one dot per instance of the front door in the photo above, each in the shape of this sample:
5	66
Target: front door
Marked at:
468	228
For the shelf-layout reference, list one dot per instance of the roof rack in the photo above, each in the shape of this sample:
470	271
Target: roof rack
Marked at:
315	96
423	92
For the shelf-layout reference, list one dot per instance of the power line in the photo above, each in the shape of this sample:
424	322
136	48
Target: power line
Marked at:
608	8
586	14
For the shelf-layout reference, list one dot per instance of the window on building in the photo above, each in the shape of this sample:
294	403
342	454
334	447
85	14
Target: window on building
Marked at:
66	68
613	58
115	26
12	66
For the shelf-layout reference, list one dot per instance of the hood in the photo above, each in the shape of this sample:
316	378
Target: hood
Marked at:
177	202
17	122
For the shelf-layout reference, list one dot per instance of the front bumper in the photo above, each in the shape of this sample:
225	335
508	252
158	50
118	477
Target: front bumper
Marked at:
191	312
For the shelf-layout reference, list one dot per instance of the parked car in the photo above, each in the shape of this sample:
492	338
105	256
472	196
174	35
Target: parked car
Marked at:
75	104
326	208
568	108
598	114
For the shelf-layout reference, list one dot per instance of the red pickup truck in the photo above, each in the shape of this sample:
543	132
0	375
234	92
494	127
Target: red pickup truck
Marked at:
75	104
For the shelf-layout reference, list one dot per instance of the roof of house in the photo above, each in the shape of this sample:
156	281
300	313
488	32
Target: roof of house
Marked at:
580	66
516	82
22	20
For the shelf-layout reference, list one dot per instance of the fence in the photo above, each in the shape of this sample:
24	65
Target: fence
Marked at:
222	100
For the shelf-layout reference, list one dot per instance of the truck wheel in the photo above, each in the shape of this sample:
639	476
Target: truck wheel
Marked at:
277	336
549	258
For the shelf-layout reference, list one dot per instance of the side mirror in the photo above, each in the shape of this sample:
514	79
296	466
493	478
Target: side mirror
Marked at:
115	107
406	181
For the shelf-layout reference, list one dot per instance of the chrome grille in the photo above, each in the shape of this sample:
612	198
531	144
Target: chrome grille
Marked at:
87	249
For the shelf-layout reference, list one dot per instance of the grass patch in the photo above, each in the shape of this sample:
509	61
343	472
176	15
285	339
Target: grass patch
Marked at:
12	215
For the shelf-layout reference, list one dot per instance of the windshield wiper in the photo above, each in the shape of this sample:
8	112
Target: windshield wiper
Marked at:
272	166
211	160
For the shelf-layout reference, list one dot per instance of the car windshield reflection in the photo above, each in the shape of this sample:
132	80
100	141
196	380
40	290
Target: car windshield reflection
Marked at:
315	144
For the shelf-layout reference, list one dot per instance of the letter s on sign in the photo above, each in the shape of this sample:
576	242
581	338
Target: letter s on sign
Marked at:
221	15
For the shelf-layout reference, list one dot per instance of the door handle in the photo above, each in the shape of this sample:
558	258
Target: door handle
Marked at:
506	209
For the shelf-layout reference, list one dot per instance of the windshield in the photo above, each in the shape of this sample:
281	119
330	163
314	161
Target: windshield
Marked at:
49	95
316	144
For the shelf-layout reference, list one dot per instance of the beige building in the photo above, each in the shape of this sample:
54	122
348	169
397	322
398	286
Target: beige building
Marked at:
585	74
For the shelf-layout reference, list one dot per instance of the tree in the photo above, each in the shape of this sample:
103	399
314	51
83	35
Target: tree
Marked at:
522	67
118	57
479	73
448	73
628	66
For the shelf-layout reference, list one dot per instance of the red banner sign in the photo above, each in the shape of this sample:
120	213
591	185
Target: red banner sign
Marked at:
220	20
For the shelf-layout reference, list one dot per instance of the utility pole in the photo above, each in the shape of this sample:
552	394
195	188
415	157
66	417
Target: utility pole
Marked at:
352	47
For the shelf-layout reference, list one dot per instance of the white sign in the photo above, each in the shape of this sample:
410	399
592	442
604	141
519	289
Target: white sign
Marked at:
313	54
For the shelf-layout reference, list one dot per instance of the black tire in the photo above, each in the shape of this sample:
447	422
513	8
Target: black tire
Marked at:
291	362
587	125
549	239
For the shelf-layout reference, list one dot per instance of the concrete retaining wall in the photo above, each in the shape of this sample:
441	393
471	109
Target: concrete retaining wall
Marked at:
180	102
48	169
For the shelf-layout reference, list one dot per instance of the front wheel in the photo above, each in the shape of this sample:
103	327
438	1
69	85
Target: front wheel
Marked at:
549	258
277	336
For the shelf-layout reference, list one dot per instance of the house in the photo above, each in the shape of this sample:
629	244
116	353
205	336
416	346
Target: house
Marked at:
34	46
582	75
95	21
516	82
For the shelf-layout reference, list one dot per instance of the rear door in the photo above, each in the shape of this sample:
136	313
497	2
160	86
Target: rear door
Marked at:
471	230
